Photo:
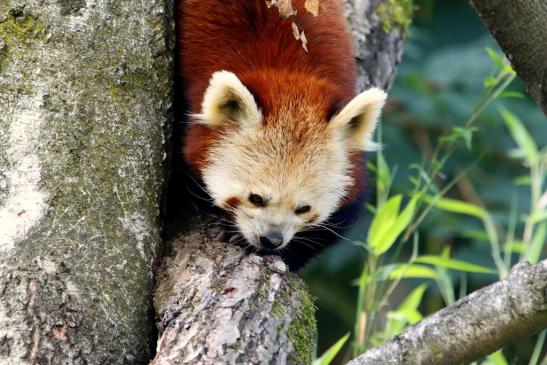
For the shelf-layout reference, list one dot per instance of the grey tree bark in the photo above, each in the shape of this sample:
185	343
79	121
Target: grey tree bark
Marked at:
519	27
85	92
474	326
216	304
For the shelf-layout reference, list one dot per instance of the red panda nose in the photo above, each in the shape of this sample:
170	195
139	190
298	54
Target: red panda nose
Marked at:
271	239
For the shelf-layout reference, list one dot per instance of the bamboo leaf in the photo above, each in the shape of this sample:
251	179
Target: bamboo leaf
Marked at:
520	135
448	263
457	206
382	221
497	358
331	353
412	271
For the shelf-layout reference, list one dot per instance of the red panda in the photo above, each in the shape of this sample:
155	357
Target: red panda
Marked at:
275	132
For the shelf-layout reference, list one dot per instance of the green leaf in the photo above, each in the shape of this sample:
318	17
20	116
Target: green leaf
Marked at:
512	94
388	224
536	246
489	81
464	133
406	271
457	206
413	300
520	135
407	312
538	217
525	180
478	235
497	358
517	247
331	353
383	219
497	58
453	264
383	176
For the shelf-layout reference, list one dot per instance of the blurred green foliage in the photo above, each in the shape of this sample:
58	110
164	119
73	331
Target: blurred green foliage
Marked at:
445	72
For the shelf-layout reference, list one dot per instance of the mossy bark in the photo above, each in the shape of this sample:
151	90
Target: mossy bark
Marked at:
84	110
217	304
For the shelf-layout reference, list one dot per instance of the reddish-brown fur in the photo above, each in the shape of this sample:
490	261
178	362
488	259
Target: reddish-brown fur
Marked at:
254	42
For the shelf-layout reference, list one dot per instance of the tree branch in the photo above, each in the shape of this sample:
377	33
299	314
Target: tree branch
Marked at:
519	27
217	304
474	326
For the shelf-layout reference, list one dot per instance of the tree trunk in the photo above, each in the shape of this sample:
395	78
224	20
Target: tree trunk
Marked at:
217	304
84	105
520	29
477	325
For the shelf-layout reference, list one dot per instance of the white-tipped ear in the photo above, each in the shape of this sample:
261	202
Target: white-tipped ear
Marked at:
227	100
357	121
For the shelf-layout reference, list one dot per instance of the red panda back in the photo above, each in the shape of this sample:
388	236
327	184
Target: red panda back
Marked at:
244	36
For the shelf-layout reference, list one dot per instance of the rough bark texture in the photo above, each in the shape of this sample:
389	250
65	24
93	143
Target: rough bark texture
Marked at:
378	30
84	103
216	304
474	326
520	29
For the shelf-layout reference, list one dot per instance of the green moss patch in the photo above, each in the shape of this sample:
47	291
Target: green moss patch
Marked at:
302	329
18	29
395	14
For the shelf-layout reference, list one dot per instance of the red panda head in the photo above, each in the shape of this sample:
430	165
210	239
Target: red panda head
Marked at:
278	162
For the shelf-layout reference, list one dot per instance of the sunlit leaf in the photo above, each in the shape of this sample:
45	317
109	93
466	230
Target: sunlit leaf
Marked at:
383	220
517	247
453	264
538	217
512	94
497	358
412	271
413	300
497	58
520	135
407	312
331	353
388	224
458	206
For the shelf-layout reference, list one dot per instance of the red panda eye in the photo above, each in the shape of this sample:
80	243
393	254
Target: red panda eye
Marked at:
302	210
257	200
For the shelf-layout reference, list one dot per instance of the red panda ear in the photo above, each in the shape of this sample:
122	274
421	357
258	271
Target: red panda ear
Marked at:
227	100
357	120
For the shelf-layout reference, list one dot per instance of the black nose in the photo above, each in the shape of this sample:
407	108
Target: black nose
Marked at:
271	239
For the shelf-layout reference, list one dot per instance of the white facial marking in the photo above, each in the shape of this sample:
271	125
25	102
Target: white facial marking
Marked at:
312	170
293	159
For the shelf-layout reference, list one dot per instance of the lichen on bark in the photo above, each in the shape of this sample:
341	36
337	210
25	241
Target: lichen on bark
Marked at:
76	279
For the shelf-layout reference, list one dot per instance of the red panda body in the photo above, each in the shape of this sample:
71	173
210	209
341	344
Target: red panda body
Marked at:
289	95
